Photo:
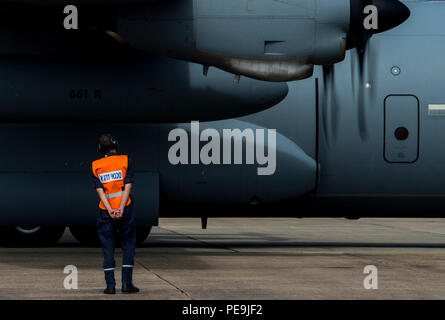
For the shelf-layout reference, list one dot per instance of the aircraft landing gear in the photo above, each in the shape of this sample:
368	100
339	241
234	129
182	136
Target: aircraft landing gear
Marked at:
88	235
30	235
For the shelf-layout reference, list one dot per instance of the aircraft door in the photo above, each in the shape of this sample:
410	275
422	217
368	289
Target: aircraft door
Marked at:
401	138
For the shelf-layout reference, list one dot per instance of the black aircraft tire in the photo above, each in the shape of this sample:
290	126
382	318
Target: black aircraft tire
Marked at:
30	236
85	235
142	234
88	235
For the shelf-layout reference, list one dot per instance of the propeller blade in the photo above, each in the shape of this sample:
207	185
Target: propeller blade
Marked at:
391	13
330	104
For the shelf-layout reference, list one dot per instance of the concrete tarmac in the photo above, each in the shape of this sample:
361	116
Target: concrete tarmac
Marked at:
248	259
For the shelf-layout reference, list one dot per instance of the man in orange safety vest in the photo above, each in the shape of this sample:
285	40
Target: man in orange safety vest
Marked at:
113	179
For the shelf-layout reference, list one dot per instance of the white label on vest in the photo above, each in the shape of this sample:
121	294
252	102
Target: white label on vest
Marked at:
110	176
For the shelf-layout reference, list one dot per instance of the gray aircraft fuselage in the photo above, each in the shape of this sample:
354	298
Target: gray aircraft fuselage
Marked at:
352	141
377	137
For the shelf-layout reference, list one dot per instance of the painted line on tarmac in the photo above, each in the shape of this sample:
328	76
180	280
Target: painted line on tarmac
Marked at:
165	280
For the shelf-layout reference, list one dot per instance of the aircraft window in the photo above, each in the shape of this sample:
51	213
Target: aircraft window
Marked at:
401	133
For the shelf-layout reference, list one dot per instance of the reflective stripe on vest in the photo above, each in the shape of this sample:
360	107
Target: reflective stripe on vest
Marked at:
115	195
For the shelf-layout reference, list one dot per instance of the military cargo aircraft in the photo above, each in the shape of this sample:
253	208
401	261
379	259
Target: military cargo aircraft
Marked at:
347	104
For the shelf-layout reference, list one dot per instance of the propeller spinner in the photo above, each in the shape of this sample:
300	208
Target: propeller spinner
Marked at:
391	13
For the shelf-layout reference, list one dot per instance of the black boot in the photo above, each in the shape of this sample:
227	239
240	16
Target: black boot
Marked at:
111	283
129	288
110	290
127	280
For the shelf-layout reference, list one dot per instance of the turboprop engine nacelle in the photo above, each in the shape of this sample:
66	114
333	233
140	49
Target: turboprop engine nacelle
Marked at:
137	89
262	39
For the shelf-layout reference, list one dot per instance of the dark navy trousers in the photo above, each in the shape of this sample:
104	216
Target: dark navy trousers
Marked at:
110	231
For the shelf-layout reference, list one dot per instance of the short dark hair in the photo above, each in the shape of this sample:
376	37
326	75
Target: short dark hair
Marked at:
107	143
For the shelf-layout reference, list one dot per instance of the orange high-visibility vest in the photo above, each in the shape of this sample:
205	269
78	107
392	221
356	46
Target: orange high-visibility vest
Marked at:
111	172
